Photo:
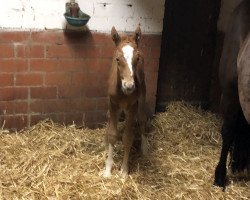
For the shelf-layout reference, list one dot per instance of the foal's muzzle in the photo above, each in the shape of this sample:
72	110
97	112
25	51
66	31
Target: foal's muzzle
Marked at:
128	87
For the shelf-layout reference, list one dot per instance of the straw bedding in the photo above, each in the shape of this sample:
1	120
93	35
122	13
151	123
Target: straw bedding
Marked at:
51	161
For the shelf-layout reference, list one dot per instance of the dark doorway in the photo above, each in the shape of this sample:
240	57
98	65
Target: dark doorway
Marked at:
187	52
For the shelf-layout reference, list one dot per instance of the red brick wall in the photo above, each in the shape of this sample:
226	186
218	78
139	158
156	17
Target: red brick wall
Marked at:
62	76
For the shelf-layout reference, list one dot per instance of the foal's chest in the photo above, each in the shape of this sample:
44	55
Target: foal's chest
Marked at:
125	105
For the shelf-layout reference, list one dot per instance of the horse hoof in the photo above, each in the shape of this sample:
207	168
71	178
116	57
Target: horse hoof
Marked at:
219	182
220	176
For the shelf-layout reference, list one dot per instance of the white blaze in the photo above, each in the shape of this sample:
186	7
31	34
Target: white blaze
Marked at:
128	55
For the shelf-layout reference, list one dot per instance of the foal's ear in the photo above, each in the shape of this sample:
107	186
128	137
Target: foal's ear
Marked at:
115	36
137	35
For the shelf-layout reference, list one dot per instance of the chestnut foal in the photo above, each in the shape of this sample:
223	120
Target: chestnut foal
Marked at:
126	91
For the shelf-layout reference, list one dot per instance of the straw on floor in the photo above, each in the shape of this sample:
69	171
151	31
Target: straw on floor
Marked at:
51	161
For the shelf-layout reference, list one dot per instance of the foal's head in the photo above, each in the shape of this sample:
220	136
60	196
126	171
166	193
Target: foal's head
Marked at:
126	57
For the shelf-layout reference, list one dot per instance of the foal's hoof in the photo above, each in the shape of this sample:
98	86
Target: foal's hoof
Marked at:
124	172
106	174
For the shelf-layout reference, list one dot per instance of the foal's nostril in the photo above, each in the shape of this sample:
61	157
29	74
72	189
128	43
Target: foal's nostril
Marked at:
129	86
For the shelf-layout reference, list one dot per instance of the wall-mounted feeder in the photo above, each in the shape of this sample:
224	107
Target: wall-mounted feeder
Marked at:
74	15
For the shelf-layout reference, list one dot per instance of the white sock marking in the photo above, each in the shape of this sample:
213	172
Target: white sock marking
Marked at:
109	162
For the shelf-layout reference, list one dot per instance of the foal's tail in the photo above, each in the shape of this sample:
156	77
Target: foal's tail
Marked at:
240	152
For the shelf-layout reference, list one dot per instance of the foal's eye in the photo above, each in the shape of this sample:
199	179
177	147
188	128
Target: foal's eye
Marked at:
135	60
118	60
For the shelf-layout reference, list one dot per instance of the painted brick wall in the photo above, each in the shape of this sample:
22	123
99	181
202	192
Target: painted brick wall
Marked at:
61	75
48	14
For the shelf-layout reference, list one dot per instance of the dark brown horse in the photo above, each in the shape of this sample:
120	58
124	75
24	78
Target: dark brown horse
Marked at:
243	70
236	129
126	91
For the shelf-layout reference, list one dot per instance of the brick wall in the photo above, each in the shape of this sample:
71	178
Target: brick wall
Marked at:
62	76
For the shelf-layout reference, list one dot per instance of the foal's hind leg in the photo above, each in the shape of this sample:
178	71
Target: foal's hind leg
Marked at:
111	137
128	138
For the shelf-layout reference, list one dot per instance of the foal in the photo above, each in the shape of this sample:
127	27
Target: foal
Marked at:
126	91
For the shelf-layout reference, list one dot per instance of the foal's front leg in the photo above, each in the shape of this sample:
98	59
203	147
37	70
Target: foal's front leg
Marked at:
128	138
111	137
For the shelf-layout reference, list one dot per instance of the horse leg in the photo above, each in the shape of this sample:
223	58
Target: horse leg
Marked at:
230	110
240	154
220	171
111	137
127	140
